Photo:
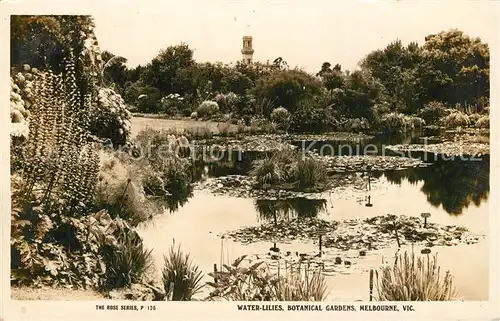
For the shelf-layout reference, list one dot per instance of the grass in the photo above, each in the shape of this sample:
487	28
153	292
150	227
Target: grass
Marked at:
291	171
185	276
128	263
483	122
54	294
301	285
310	173
414	279
456	119
256	282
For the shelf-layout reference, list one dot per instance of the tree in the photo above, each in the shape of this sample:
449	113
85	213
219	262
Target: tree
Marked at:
456	68
397	68
359	93
332	78
286	88
169	71
114	70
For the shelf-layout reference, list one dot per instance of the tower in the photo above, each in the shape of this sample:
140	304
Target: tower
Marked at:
247	50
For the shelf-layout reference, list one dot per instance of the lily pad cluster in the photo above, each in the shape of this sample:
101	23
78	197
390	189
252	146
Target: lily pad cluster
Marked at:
336	136
343	186
359	234
456	148
342	164
253	143
283	231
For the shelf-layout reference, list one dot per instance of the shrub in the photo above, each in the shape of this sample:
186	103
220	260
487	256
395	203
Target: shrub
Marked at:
224	129
281	117
120	192
256	282
309	118
127	262
18	112
416	122
413	279
356	125
310	172
198	132
455	119
474	118
432	112
172	104
309	285
396	123
111	118
483	122
274	169
290	170
207	108
226	102
185	276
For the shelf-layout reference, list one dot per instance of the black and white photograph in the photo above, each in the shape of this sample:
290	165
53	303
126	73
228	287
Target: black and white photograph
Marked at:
330	154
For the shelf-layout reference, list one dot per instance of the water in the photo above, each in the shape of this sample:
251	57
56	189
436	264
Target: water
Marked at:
455	193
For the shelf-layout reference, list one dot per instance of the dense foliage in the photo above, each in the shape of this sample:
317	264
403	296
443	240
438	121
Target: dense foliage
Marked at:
422	80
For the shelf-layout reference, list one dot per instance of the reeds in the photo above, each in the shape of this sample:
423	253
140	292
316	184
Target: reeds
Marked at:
183	274
414	279
301	284
256	282
128	262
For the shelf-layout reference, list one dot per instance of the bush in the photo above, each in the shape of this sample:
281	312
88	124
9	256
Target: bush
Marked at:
455	119
432	112
127	262
120	191
199	132
413	279
355	125
224	129
111	118
474	118
281	117
396	123
310	173
185	276
18	112
416	122
256	282
226	102
290	170
483	122
172	104
207	108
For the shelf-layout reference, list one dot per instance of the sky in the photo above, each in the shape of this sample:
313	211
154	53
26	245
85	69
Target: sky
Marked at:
303	33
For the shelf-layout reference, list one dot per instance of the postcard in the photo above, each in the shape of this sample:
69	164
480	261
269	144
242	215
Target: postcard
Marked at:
250	159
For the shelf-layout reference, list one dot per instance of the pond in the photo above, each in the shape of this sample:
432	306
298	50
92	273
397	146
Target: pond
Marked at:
454	192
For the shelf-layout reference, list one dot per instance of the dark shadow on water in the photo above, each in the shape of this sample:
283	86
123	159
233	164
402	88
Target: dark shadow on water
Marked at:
453	184
286	209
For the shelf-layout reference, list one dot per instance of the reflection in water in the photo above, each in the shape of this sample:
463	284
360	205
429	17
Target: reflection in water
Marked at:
178	198
452	184
299	207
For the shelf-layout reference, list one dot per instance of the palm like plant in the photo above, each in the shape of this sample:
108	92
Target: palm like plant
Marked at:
413	279
183	274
